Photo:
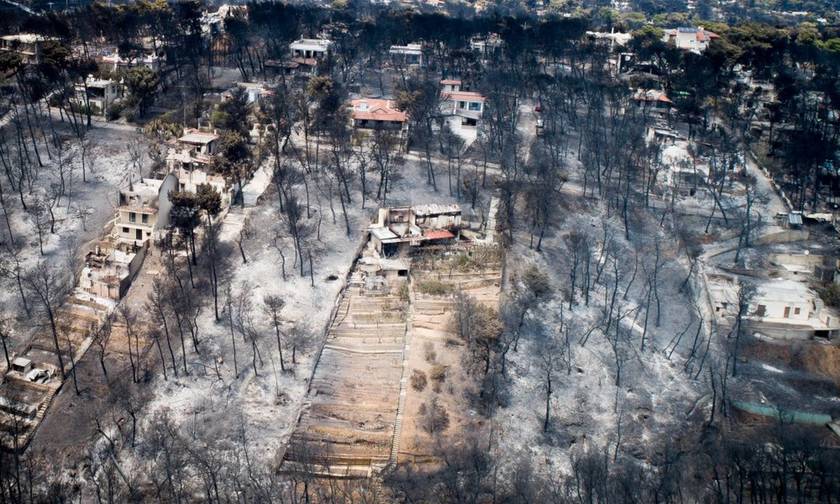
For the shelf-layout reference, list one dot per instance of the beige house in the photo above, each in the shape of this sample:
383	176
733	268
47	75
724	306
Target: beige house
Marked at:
689	38
190	161
199	142
194	149
374	113
144	209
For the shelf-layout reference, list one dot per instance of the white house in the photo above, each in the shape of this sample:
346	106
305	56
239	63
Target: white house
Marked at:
784	309
468	106
255	91
486	46
411	54
690	38
611	38
144	209
682	172
115	62
400	227
98	94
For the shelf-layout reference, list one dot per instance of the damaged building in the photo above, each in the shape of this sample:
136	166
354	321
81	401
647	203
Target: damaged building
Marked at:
398	229
110	268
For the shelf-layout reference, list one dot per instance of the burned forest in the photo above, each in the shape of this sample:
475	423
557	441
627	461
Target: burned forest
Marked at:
420	251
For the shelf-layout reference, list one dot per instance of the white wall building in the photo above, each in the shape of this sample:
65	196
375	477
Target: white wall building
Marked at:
98	94
115	62
411	54
144	209
783	309
690	38
110	268
26	45
310	48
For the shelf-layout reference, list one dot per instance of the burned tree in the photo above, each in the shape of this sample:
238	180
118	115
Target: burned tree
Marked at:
50	286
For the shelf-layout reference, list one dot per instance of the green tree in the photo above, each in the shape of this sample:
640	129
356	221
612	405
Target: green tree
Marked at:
142	85
185	218
234	159
232	113
209	200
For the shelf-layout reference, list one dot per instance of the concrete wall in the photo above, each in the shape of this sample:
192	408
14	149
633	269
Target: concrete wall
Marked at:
786	236
781	331
189	180
170	184
775	309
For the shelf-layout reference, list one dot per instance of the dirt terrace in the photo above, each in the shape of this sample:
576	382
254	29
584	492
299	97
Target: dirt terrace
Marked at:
348	421
361	414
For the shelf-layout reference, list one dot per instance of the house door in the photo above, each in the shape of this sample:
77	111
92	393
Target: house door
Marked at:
787	311
138	235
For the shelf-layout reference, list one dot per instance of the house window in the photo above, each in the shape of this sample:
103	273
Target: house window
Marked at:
125	230
787	312
475	106
761	310
796	311
145	219
461	104
132	217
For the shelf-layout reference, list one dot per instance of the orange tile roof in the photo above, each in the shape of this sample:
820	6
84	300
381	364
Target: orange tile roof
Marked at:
651	95
374	109
463	96
702	35
438	234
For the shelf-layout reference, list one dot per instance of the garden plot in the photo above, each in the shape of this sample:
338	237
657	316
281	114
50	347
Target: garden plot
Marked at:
434	351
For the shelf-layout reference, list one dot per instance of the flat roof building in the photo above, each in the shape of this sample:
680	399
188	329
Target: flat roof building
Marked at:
310	48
